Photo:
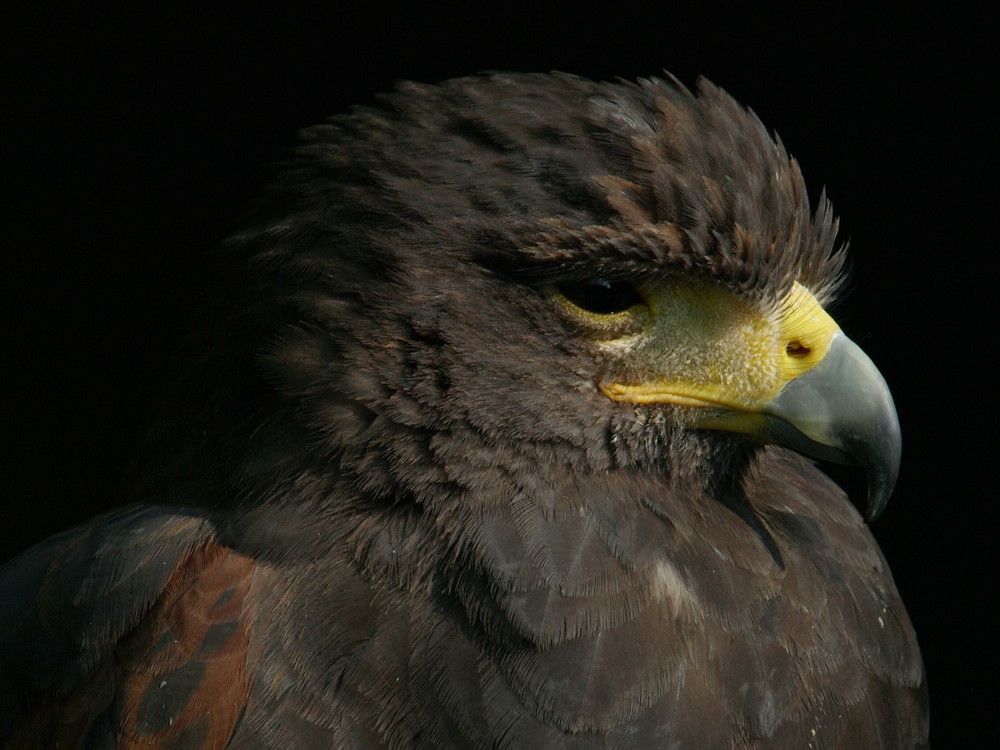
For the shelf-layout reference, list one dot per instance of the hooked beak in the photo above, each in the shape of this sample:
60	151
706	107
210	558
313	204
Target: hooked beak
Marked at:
841	411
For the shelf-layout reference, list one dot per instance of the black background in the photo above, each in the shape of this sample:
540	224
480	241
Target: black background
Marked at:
133	138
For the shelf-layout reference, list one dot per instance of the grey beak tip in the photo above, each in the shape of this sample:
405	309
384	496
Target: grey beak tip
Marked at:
878	498
882	477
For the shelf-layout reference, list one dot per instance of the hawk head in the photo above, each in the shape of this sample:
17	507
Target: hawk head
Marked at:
498	271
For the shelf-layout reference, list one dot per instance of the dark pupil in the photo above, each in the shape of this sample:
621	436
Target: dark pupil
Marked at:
601	296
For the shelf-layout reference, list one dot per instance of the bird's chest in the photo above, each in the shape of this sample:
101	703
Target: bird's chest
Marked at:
633	629
561	626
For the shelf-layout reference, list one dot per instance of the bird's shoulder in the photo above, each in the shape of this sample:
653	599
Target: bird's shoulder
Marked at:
105	626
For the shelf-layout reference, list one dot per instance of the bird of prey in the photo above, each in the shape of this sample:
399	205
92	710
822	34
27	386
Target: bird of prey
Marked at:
500	435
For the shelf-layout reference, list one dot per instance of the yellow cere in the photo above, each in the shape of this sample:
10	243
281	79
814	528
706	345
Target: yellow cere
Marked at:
807	330
702	346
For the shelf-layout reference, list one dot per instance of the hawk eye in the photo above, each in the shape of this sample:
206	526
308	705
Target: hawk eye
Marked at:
601	296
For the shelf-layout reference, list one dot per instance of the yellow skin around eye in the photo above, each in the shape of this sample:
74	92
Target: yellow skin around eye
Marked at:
701	346
607	328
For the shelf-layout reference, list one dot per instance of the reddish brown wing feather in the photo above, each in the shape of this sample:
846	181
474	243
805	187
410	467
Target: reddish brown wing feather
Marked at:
173	675
187	677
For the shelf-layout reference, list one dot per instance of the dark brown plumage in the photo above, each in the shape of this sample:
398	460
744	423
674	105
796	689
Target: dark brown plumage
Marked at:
427	479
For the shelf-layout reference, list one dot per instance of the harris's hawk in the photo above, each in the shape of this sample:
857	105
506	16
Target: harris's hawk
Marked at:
495	440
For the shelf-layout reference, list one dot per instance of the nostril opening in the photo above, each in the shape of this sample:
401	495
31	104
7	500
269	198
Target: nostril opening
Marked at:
797	349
